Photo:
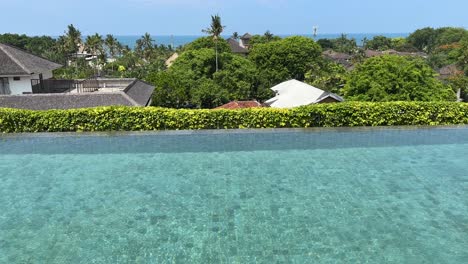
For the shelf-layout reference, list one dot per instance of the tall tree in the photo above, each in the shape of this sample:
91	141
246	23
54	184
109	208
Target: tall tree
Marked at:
235	36
215	30
112	47
95	45
145	47
72	39
268	36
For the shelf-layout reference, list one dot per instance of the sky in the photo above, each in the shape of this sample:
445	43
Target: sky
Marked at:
189	17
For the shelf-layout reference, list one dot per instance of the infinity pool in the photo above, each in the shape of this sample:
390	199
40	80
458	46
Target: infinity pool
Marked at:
289	196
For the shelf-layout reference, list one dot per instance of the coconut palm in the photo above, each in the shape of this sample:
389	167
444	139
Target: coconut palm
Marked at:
215	30
235	36
94	44
145	46
111	44
268	36
113	47
72	39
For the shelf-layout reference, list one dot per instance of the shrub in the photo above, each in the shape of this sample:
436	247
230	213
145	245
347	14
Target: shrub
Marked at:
152	118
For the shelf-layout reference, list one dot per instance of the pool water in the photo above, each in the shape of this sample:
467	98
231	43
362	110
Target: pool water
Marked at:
287	196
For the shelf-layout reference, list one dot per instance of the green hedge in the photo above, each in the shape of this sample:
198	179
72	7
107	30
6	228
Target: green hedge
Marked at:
323	115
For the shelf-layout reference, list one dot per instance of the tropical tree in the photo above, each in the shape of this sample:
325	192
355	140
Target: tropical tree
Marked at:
235	36
288	58
113	47
379	43
94	44
208	43
145	47
268	36
215	30
72	39
395	78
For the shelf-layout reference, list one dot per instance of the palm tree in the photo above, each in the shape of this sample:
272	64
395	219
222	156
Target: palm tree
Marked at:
268	36
72	39
215	30
113	46
235	36
145	46
94	45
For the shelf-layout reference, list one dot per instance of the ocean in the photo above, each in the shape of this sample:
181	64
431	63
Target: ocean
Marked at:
176	41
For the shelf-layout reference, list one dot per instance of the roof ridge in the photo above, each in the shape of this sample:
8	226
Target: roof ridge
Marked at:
130	99
2	47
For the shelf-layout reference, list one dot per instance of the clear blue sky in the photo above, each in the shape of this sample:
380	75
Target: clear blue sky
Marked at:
188	17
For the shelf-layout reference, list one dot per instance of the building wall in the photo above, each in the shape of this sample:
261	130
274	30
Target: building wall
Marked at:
24	84
21	86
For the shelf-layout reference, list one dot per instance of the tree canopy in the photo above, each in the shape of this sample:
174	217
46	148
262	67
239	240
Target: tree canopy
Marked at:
395	78
192	81
288	58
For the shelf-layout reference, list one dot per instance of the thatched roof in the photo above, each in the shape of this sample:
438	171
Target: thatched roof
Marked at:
14	61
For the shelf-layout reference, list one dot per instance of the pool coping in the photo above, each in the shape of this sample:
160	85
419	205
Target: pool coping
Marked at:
228	131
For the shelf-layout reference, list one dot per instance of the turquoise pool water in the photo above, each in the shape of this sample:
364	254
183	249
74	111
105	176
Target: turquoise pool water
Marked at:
287	196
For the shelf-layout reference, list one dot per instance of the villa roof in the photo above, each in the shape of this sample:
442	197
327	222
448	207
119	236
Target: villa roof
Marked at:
246	36
449	71
65	100
141	92
236	47
336	55
14	61
138	93
172	59
240	105
294	93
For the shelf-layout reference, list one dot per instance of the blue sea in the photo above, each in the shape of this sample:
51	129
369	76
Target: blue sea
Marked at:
177	41
378	195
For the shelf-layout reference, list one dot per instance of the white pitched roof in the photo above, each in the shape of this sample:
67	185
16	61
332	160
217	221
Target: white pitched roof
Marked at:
294	93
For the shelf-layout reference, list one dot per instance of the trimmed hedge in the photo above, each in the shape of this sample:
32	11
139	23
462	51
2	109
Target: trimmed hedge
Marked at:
322	115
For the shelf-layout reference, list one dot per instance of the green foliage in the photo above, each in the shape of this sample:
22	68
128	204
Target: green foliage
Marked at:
289	58
208	94
463	55
428	39
207	43
341	44
379	43
42	46
395	78
262	39
193	74
459	83
151	118
423	39
328	76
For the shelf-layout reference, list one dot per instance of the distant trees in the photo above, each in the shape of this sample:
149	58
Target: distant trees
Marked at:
39	45
342	44
262	39
215	30
395	78
463	56
145	47
427	39
379	43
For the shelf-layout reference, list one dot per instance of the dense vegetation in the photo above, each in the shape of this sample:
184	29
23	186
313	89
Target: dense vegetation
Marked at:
207	74
151	118
396	78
